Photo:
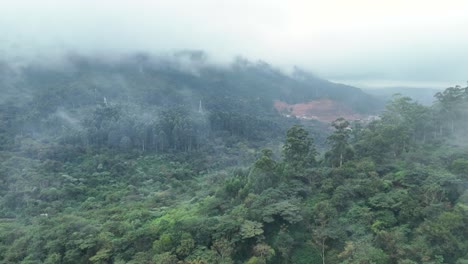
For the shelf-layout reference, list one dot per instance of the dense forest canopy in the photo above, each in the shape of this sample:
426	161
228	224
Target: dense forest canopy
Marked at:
175	160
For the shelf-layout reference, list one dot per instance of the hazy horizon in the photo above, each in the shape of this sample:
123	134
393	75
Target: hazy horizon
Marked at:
363	43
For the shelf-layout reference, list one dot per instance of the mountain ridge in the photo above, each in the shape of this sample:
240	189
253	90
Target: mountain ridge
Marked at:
185	74
153	102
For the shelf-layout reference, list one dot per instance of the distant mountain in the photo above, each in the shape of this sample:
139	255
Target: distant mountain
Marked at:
180	100
185	77
424	96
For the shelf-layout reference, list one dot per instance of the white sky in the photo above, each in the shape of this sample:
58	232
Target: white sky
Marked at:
366	42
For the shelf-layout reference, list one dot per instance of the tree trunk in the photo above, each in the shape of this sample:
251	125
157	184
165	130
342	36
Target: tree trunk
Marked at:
323	250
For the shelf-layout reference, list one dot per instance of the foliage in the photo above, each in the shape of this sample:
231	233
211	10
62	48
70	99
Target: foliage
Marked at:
144	178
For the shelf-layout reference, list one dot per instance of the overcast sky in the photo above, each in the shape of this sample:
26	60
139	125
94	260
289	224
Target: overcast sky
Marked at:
361	42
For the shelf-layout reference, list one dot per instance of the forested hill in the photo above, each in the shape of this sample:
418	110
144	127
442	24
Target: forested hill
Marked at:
184	77
119	162
168	103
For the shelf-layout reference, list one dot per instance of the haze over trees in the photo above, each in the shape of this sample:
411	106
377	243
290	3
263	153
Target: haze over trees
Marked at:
174	160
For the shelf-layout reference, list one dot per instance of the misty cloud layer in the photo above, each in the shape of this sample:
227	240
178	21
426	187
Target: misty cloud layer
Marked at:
362	42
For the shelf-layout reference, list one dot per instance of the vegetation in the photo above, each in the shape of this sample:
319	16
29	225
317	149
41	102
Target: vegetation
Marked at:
124	181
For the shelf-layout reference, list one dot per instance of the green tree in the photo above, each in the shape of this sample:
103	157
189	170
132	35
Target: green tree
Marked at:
341	150
324	226
263	251
299	151
264	173
449	102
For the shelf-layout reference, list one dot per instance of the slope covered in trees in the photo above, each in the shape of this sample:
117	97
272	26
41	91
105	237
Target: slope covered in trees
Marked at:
164	104
126	181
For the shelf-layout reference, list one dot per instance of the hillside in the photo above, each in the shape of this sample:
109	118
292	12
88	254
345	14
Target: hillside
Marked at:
176	161
162	103
185	77
323	110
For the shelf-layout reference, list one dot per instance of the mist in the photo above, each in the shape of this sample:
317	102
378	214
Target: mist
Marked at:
363	42
242	131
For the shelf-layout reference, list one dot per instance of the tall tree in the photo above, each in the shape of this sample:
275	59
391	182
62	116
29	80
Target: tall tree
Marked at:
263	174
339	140
299	150
449	102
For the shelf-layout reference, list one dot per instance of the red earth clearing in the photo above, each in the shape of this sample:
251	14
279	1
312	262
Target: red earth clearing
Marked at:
324	110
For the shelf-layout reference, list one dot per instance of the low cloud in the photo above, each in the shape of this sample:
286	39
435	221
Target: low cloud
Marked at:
403	41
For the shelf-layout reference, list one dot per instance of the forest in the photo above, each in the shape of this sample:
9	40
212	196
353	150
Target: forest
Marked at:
177	161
